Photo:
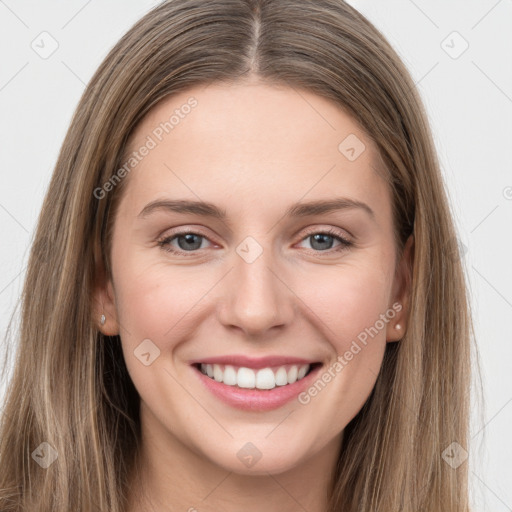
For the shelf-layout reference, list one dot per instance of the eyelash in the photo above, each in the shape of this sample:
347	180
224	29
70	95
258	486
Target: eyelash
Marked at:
344	243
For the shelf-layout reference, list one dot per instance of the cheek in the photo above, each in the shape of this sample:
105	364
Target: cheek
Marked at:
155	301
160	301
349	302
159	305
351	311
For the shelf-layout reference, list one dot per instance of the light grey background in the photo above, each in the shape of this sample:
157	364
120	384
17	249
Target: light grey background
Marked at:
469	102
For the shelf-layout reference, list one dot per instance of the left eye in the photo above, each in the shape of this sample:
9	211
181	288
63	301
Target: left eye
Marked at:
319	238
190	242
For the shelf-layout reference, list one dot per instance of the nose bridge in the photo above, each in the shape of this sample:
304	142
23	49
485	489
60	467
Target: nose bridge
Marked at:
255	298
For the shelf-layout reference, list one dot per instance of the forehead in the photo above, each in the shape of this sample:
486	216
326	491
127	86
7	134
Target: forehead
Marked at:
250	141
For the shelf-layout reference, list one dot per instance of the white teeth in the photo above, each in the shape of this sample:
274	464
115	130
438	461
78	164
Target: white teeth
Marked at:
246	378
302	371
265	378
281	377
292	374
217	373
229	376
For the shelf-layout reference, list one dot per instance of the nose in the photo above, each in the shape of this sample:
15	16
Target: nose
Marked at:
255	297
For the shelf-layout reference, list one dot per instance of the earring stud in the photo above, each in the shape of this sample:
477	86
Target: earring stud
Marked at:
398	326
102	320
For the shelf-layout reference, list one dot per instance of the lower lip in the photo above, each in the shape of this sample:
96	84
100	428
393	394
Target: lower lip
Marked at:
256	399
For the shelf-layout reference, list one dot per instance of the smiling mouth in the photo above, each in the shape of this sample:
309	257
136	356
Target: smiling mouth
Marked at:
261	379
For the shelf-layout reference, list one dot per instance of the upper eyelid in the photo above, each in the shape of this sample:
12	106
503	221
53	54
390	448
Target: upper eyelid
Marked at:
331	231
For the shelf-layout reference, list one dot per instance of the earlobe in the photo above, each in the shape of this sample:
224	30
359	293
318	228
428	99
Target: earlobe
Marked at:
395	330
401	293
104	309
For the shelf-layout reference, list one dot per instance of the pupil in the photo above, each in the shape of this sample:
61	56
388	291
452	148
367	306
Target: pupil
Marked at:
189	239
320	237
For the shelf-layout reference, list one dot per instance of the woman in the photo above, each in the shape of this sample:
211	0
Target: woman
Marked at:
246	370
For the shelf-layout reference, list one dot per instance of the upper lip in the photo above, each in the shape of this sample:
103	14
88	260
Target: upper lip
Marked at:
253	362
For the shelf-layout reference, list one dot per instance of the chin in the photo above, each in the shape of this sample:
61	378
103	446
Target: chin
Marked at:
257	457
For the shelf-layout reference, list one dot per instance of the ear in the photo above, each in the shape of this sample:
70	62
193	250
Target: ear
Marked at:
103	303
401	293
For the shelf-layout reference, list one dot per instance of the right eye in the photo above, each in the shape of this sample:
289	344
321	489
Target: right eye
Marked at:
189	240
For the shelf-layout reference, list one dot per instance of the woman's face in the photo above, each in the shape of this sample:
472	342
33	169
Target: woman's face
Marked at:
223	253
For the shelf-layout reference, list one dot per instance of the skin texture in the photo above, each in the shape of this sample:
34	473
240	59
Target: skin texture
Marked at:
253	150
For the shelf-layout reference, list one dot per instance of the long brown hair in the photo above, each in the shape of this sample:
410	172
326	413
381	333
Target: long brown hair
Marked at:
70	387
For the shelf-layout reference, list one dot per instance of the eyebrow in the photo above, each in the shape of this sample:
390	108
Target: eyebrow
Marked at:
299	209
